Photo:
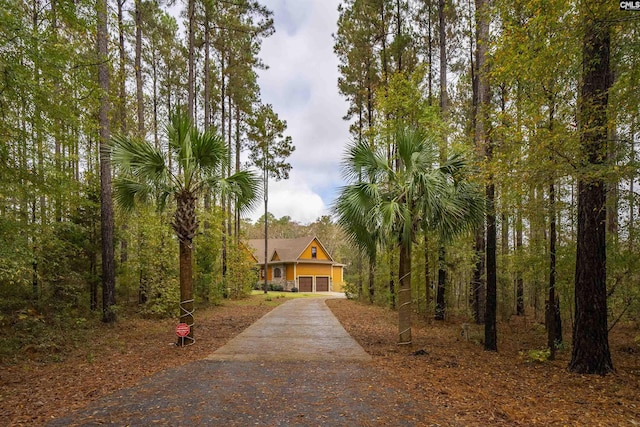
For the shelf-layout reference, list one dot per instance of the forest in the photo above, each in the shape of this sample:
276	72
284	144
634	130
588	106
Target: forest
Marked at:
526	110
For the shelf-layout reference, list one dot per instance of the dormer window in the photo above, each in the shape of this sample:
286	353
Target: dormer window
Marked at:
314	252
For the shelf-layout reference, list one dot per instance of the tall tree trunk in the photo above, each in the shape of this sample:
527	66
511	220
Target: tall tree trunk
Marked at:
427	272
490	327
138	66
265	177
399	35
552	318
441	306
58	149
429	53
238	149
551	301
122	93
591	353
392	283
444	98
404	295
106	202
519	279
477	302
632	154
483	142
207	66
191	84
372	282
444	110
122	109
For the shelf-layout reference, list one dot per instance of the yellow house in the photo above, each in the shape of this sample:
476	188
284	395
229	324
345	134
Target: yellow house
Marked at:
301	263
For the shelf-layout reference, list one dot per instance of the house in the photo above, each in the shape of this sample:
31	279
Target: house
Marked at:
303	263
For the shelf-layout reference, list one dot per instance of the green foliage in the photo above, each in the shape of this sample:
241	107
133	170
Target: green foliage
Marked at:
15	256
150	274
208	259
241	272
539	356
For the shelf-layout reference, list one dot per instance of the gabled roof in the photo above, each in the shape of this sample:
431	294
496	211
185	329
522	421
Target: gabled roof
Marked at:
288	250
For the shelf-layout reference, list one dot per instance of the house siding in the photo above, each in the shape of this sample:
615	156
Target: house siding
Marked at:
313	269
338	279
320	254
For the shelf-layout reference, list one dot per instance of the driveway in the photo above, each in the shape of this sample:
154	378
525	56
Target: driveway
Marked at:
296	366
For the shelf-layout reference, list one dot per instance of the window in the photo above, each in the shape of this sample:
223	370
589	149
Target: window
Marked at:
277	273
314	252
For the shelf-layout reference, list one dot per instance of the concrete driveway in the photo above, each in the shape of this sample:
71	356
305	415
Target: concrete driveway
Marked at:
300	329
296	366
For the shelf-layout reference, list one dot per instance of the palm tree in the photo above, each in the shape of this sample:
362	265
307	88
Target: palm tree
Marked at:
390	198
200	159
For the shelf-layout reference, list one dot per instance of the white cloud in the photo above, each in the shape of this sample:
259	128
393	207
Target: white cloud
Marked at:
301	84
294	199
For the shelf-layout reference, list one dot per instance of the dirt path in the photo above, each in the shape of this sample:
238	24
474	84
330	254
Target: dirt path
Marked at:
295	366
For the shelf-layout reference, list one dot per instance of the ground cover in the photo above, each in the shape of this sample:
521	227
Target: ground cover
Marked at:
471	387
39	382
457	382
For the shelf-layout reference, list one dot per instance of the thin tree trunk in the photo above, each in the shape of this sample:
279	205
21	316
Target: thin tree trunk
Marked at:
519	279
483	142
207	67
191	12
372	283
392	283
427	273
632	212
106	203
551	302
238	149
265	177
122	105
478	281
441	306
444	110
138	70
490	328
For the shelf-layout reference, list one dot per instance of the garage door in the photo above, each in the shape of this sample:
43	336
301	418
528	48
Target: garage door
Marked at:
305	284
322	284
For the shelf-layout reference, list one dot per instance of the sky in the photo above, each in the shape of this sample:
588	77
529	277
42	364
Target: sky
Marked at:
302	86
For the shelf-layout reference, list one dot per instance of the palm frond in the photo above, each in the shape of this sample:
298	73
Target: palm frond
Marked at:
127	192
139	159
355	217
209	151
245	186
364	163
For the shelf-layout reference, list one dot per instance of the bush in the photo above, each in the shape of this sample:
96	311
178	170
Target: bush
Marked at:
294	289
276	288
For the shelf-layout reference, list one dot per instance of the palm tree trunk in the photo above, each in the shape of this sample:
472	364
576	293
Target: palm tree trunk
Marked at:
185	224
404	295
186	289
